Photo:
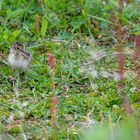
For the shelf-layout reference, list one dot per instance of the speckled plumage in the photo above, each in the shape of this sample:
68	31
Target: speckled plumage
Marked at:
19	57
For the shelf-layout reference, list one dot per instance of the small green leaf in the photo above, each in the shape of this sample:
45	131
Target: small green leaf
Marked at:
44	26
18	12
16	33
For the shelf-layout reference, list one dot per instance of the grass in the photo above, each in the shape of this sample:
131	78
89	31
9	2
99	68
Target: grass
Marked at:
70	30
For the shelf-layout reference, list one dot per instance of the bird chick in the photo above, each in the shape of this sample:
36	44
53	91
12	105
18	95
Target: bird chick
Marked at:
19	57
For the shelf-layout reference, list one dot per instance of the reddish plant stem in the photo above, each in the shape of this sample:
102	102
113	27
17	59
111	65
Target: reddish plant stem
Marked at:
38	24
54	101
52	64
54	112
121	65
137	67
121	59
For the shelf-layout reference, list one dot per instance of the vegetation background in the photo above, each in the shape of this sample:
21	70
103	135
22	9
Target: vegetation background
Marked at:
80	97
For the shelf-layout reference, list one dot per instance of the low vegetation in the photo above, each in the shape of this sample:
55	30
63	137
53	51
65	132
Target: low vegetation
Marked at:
78	86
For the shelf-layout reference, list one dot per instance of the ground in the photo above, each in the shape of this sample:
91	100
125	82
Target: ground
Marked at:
82	36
